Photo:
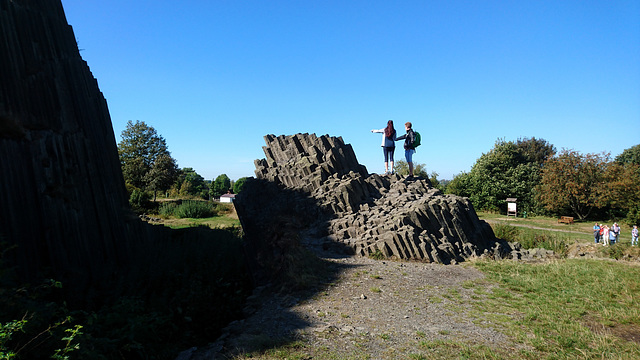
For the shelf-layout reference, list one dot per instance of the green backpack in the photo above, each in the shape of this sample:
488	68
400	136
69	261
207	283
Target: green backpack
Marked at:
416	140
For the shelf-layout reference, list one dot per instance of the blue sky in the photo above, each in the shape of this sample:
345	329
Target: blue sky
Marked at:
213	77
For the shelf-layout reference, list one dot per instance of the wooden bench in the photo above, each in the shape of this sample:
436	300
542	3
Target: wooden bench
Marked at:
566	220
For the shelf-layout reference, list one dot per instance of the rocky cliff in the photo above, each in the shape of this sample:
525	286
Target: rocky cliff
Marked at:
347	209
63	200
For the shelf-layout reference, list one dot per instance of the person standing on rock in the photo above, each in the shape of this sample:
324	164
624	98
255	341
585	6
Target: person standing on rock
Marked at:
409	150
388	144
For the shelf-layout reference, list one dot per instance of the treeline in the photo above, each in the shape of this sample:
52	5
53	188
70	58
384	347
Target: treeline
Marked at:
149	169
547	182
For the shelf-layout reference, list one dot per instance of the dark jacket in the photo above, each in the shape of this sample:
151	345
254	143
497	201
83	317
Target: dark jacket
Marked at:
409	138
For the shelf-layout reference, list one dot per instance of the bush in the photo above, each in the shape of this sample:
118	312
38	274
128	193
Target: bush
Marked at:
195	210
224	208
549	242
530	239
506	232
168	209
140	201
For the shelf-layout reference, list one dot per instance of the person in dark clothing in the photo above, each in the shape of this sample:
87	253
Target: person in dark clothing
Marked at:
409	150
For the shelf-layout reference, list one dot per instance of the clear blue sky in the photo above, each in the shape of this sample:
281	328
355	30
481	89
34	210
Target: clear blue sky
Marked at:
213	77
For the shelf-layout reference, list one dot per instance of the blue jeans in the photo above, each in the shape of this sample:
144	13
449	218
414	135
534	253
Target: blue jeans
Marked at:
408	154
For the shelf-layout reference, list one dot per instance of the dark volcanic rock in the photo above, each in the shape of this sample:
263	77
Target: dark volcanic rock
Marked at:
349	209
64	208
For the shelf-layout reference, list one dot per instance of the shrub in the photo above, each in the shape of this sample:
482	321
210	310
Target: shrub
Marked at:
506	232
168	209
224	208
549	242
531	239
140	201
195	210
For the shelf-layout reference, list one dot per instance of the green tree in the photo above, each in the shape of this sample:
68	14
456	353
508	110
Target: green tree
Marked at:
402	168
191	183
629	156
138	150
221	185
238	185
535	150
459	185
163	174
574	182
624	184
509	170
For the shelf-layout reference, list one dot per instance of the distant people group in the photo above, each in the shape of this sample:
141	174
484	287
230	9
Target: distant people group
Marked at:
610	236
389	138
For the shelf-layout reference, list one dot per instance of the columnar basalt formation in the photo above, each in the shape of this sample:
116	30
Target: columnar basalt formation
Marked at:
363	214
305	162
62	195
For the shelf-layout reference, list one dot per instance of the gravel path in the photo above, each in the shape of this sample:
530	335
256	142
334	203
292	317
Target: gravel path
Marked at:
370	309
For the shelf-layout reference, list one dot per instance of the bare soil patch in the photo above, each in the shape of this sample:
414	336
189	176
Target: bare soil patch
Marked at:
370	309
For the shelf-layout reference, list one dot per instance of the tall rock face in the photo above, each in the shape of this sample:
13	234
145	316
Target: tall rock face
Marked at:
347	209
63	200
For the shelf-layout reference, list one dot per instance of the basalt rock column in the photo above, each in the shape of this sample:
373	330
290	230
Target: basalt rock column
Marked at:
63	203
364	214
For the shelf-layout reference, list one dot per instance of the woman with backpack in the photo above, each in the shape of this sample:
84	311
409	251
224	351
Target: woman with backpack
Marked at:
388	144
409	149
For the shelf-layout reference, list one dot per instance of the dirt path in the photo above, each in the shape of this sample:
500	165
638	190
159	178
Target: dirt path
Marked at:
370	309
506	222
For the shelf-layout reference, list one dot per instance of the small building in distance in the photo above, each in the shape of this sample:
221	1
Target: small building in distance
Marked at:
227	198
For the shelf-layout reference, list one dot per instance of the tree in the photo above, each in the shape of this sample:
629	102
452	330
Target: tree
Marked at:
221	185
459	185
508	170
138	150
574	182
535	150
238	185
624	185
162	175
401	167
191	183
629	156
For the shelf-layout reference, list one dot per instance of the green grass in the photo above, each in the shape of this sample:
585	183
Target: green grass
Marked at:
584	227
215	222
536	238
565	309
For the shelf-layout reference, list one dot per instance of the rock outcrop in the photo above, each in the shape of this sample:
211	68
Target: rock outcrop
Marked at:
64	208
347	209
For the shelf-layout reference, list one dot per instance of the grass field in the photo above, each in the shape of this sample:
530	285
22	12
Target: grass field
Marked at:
564	309
217	222
227	218
582	231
